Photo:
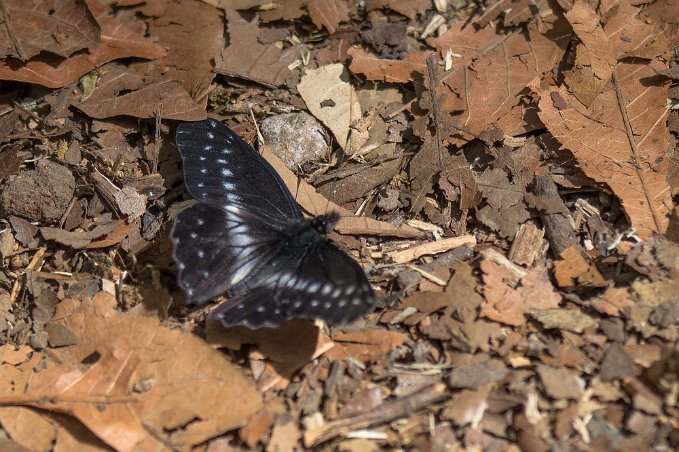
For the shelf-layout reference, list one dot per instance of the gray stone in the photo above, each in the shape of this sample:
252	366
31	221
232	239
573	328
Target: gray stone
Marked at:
296	138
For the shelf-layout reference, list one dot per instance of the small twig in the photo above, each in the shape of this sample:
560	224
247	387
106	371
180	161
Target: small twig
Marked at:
386	412
439	246
431	277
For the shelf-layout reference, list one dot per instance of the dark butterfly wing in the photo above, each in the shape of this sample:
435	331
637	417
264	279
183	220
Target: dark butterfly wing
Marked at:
220	167
325	284
217	248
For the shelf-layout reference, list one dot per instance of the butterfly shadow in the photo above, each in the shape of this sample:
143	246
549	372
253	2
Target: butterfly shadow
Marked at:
286	348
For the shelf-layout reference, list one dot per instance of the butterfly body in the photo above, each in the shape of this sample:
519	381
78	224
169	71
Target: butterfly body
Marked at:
247	238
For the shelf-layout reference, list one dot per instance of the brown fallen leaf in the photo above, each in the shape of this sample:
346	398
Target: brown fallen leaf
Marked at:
522	11
493	67
192	32
80	239
560	383
358	184
506	209
594	58
468	406
258	426
508	304
285	435
114	237
178	390
574	270
59	28
28	427
31	428
614	301
247	58
117	41
14	355
287	348
328	13
288	10
632	35
365	345
629	162
390	71
124	92
330	83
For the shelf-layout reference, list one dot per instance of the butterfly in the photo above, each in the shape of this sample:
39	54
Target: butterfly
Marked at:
246	237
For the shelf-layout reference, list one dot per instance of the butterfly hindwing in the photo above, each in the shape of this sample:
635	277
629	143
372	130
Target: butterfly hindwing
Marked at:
220	167
325	284
216	248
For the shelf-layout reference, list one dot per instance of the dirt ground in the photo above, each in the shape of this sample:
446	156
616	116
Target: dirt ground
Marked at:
505	172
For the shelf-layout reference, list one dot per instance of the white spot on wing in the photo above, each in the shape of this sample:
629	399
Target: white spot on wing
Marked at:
241	273
226	172
228	186
200	253
211	135
313	287
232	210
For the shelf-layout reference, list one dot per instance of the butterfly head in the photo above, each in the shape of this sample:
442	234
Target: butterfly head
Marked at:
324	224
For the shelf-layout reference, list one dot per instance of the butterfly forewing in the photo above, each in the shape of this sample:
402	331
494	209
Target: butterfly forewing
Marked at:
325	284
220	167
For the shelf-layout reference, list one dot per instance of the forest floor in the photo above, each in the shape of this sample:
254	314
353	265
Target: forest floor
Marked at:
505	171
